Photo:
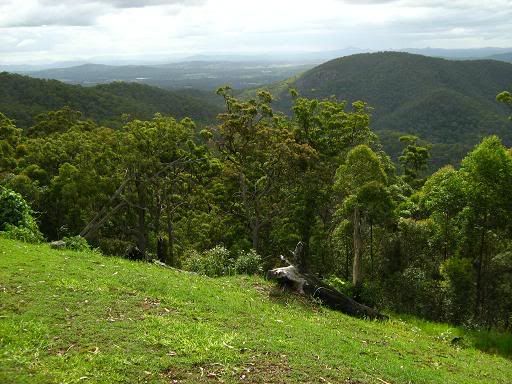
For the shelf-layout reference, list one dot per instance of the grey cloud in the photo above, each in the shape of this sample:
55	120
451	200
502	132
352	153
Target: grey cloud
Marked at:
80	13
129	3
57	15
368	2
61	19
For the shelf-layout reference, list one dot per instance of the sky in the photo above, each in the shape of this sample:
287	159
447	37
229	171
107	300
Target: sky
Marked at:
38	31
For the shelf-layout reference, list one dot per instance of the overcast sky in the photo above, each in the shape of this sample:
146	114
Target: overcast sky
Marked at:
35	31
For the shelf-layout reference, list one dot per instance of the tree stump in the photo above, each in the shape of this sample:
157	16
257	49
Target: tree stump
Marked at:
307	284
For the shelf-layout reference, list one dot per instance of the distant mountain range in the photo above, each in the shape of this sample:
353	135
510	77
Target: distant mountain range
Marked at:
447	102
205	75
209	71
502	57
459	54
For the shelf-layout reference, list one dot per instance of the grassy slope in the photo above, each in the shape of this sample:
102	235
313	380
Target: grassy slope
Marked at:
79	317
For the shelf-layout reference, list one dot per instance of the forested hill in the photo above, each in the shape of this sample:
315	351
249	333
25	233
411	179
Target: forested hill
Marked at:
450	103
502	57
22	98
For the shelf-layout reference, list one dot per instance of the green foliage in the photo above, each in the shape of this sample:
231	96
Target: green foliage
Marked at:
165	188
505	97
9	139
14	210
218	261
213	262
23	233
459	276
248	263
341	285
23	98
16	220
414	158
76	243
362	166
448	103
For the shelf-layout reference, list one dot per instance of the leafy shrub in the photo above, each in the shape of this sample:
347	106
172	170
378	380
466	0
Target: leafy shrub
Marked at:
76	243
16	221
345	287
115	247
459	276
367	293
249	263
14	210
28	235
213	262
413	291
219	262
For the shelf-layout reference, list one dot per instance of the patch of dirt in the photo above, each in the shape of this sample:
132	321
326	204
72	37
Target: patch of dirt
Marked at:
155	307
264	368
272	370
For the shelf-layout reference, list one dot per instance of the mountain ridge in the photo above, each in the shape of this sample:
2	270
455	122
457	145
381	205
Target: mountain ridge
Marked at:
23	97
401	89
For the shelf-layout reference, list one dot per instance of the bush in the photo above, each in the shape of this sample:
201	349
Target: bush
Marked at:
213	262
458	274
16	221
249	263
13	209
413	291
114	247
345	287
76	243
218	262
28	235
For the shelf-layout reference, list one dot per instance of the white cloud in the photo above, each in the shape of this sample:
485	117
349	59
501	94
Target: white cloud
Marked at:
119	28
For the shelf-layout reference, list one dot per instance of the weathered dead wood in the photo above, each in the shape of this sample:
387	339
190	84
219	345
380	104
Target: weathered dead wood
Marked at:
308	284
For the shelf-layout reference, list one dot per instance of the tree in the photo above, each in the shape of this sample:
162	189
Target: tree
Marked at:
328	128
261	157
443	198
361	178
505	97
151	152
487	181
414	159
58	121
9	138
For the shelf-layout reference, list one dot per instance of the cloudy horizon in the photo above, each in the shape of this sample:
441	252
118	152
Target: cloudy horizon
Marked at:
37	31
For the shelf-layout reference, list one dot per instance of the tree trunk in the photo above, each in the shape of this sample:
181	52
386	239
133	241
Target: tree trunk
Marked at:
255	236
371	244
306	283
347	257
479	266
141	218
358	245
170	237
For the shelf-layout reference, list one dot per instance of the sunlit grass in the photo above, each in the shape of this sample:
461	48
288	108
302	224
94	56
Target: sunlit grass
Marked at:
69	317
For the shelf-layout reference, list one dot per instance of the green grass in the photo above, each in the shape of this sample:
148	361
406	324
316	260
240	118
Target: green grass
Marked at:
69	317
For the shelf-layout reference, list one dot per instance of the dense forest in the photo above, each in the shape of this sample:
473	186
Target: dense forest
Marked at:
449	103
23	98
233	196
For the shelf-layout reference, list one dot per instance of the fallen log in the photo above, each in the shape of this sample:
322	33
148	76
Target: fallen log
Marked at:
307	284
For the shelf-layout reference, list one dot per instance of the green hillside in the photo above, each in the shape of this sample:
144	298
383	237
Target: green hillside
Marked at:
68	317
502	57
442	101
22	98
